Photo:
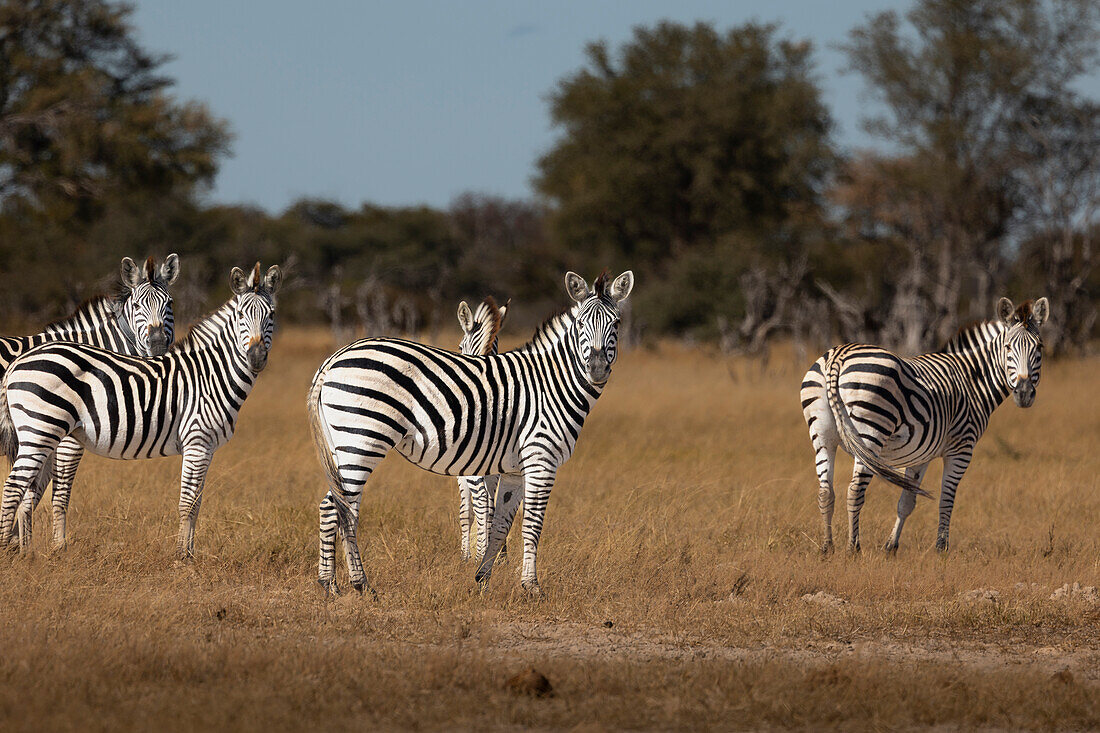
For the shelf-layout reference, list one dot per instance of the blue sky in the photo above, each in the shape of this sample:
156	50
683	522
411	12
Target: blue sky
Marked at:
415	102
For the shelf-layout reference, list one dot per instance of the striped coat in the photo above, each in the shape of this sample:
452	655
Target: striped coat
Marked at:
137	320
183	403
517	414
896	414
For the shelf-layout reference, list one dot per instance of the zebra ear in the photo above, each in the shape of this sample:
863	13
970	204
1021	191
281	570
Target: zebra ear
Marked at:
1040	311
576	287
503	310
465	317
1005	309
170	269
130	272
238	281
622	286
273	279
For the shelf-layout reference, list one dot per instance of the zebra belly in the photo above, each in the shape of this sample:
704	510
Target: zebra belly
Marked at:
412	448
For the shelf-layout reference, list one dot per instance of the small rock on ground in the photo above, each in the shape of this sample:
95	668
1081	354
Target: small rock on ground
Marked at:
981	595
530	682
823	598
1076	592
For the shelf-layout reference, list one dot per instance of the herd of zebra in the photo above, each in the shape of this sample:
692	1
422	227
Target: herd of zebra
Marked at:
111	378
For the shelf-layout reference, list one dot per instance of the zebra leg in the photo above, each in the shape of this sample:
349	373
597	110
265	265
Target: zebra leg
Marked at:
28	470
954	466
66	461
537	483
349	521
857	491
196	461
483	511
509	495
326	564
339	511
906	502
25	474
464	512
507	504
825	456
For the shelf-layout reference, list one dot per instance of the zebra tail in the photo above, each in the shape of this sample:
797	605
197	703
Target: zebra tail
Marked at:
853	441
320	437
9	443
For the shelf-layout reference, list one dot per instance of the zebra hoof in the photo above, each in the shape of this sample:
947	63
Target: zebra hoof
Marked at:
941	545
827	548
891	548
363	588
532	588
329	587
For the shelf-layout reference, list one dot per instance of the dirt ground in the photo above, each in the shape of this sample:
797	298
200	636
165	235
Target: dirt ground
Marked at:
683	583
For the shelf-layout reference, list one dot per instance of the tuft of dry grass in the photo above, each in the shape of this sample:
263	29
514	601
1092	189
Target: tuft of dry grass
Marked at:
679	543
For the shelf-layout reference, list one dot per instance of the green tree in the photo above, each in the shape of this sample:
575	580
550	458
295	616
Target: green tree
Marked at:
685	151
85	114
960	82
97	159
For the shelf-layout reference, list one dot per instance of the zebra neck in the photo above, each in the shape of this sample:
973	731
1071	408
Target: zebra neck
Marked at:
552	332
99	323
576	388
992	371
215	333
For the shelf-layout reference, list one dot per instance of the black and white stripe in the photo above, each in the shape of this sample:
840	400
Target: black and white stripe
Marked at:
516	414
136	321
480	328
183	403
895	413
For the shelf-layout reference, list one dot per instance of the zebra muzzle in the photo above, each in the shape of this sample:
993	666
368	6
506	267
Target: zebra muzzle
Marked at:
257	356
158	340
1024	393
598	367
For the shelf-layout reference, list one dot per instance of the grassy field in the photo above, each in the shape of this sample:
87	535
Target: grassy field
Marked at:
680	541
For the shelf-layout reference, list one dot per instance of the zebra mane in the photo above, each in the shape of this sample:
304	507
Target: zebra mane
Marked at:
1024	314
552	329
205	326
972	336
109	304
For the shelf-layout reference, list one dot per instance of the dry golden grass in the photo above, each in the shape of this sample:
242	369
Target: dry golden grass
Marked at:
692	473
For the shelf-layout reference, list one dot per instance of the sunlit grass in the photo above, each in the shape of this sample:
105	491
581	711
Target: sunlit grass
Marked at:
693	476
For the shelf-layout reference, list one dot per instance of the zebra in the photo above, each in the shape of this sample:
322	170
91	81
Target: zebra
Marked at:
479	338
517	414
183	403
891	412
137	321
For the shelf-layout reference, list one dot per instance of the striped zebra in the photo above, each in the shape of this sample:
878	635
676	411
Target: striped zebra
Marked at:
183	403
517	414
894	413
137	320
480	328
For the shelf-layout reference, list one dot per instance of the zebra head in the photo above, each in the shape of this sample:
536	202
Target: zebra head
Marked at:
480	327
1022	357
254	312
146	304
596	323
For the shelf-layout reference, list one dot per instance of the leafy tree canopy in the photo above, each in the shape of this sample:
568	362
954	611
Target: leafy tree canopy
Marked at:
85	114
